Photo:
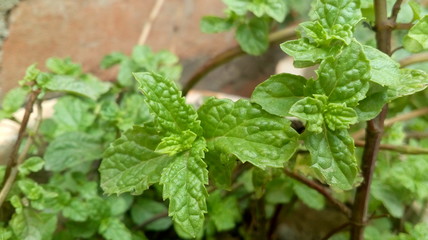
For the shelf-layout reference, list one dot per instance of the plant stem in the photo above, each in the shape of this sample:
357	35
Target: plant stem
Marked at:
415	58
404	149
15	160
375	127
322	190
231	53
148	25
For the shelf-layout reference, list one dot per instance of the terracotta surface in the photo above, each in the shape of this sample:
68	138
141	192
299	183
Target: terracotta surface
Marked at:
87	30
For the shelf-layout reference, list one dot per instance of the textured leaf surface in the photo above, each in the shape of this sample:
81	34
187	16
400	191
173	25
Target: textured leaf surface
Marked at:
88	86
338	116
131	164
306	54
332	154
114	229
336	12
217	204
277	94
311	110
384	70
176	143
344	79
70	150
184	183
253	36
31	225
416	39
213	24
248	132
277	9
72	114
411	81
166	103
371	106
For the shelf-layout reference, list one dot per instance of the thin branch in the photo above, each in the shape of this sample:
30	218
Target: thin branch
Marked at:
403	26
404	149
321	189
16	161
336	230
415	58
395	10
231	53
148	24
400	118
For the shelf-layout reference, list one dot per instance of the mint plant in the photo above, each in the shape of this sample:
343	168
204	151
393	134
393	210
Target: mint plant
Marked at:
132	160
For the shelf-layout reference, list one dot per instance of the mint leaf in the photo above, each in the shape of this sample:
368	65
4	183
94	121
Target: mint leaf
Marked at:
71	149
277	9
309	196
246	131
87	85
416	39
371	106
213	24
344	79
313	31
124	77
384	70
338	116
32	164
220	168
131	164
167	105
30	224
217	204
332	157
388	197
144	209
253	36
176	143
311	110
411	81
238	6
184	181
336	12
112	59
14	100
277	94
114	229
63	66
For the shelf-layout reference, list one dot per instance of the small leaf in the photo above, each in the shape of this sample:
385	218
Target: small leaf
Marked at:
384	70
416	10
411	81
277	9
416	39
30	225
87	86
32	164
389	199
246	131
14	100
131	164
63	66
338	116
306	54
31	74
71	149
184	183
145	209
344	79
124	77
311	110
336	12
223	220
238	6
371	106
167	105
277	94
332	154
176	143
309	196
114	229
213	24
112	59
220	168
253	36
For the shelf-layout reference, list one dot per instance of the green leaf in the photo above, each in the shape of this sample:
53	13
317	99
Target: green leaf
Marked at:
238	6
336	12
416	10
167	105
213	24
389	198
253	36
279	190
14	100
277	9
114	229
31	74
145	209
411	81
332	157
223	220
72	114
5	233
338	116
77	210
220	168
309	196
371	106
70	150
131	164
344	79
87	85
33	225
311	110
313	31
416	39
112	59
63	66
384	70
184	183
124	77
248	132
306	54
32	164
277	94
176	143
